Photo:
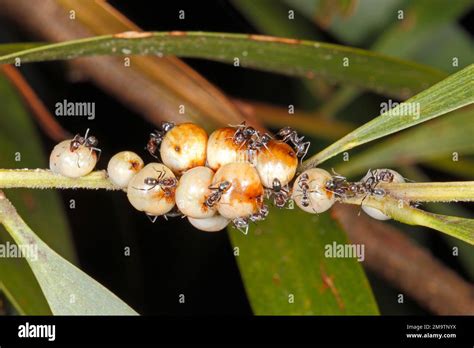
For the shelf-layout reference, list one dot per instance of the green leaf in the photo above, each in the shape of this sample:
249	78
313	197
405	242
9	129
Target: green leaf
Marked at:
367	18
43	208
289	56
285	255
422	19
428	26
453	133
15	47
68	290
452	93
451	43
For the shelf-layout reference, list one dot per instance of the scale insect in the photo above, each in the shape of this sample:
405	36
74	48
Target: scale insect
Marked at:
75	157
310	193
152	190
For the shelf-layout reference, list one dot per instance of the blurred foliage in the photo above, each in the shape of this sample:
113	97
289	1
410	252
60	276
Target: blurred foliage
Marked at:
43	209
282	261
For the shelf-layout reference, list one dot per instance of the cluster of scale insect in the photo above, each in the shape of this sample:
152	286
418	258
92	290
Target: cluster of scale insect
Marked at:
222	178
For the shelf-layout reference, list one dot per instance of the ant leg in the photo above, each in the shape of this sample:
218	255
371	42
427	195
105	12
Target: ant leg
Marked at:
152	218
244	231
147	189
305	149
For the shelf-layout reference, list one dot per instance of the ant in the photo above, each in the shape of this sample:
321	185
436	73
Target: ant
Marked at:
288	134
242	223
90	142
243	134
280	193
217	193
157	137
166	184
303	185
340	186
249	136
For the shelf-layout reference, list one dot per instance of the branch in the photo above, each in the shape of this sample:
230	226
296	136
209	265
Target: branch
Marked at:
432	191
402	211
407	266
45	179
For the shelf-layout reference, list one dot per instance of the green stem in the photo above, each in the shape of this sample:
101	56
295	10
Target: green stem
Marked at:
400	210
432	191
45	179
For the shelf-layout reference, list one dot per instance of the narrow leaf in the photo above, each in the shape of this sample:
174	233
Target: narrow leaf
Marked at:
452	93
289	56
287	271
16	126
453	133
68	290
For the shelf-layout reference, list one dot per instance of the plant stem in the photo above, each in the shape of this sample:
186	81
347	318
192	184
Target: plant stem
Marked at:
432	191
400	210
45	179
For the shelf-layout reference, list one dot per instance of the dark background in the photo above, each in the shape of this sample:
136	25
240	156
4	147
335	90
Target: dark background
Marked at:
168	258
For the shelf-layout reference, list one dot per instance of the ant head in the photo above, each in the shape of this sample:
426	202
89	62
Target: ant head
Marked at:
166	126
330	184
276	184
91	141
150	181
224	186
285	130
75	144
249	131
240	222
266	138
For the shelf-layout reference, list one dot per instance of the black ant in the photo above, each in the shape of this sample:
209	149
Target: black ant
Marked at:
90	142
249	136
280	193
217	193
288	134
243	134
166	184
157	137
303	185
